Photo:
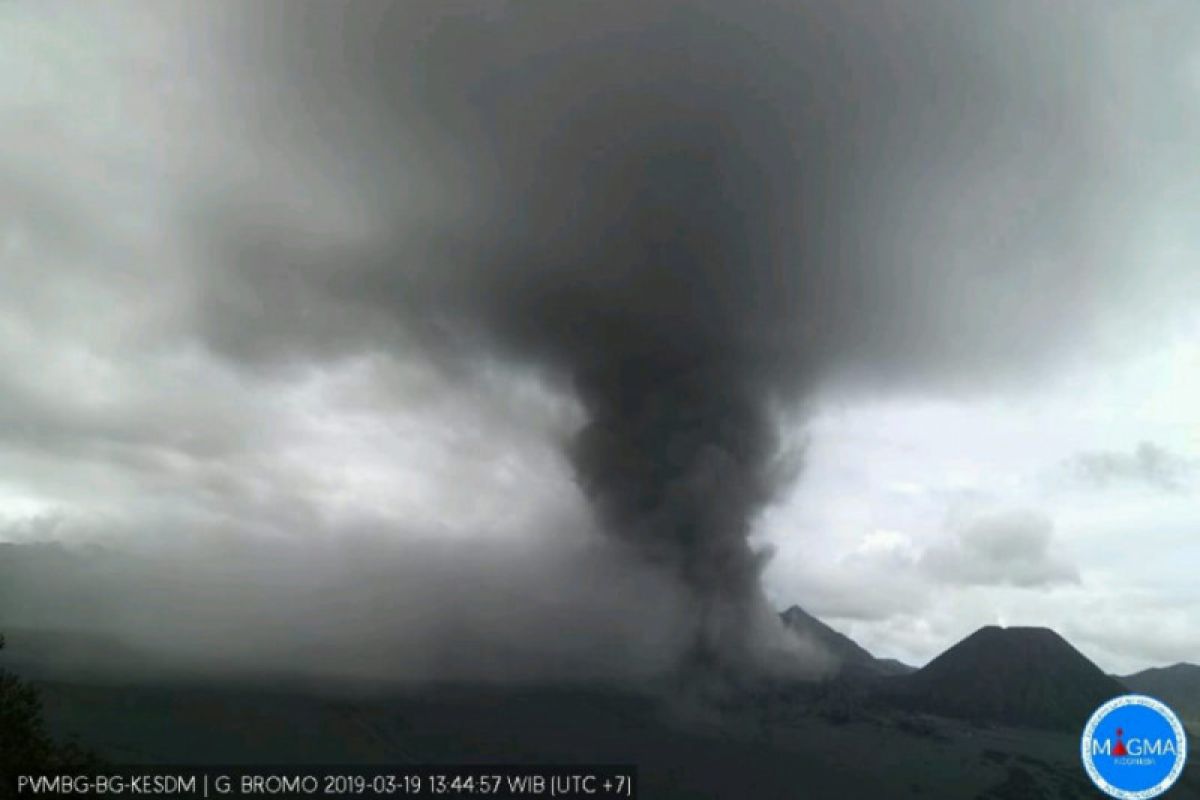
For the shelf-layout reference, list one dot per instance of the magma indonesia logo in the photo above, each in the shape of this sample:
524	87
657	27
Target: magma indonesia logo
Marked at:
1134	748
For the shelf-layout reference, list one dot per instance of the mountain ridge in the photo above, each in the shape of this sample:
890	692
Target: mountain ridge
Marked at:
855	661
1177	685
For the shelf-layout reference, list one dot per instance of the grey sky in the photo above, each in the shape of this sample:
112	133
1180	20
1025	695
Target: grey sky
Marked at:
307	273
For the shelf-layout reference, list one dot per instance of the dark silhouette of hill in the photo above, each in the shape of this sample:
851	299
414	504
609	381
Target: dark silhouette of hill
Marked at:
685	746
856	661
683	751
1012	676
891	666
1178	686
25	742
47	654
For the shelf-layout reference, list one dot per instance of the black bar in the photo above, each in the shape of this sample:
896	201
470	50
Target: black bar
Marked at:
426	781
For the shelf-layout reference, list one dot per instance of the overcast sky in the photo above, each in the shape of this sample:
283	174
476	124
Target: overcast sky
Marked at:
251	333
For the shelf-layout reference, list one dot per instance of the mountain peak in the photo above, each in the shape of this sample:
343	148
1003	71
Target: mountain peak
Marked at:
1018	675
855	659
1182	667
1031	631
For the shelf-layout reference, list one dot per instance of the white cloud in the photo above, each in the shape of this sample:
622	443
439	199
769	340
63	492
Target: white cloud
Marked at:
904	529
1147	464
1006	548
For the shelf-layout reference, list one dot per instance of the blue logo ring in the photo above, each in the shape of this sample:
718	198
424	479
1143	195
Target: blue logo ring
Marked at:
1089	749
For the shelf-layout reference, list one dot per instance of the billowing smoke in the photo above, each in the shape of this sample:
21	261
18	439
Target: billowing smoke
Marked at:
690	213
650	216
684	215
650	292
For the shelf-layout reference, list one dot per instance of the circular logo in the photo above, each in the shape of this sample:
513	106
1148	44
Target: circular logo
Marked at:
1134	747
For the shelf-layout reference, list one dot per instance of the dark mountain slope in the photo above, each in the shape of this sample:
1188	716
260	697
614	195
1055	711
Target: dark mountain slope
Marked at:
890	666
1015	676
856	661
1178	686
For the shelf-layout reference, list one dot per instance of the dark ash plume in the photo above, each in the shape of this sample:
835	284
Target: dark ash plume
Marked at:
689	212
642	271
